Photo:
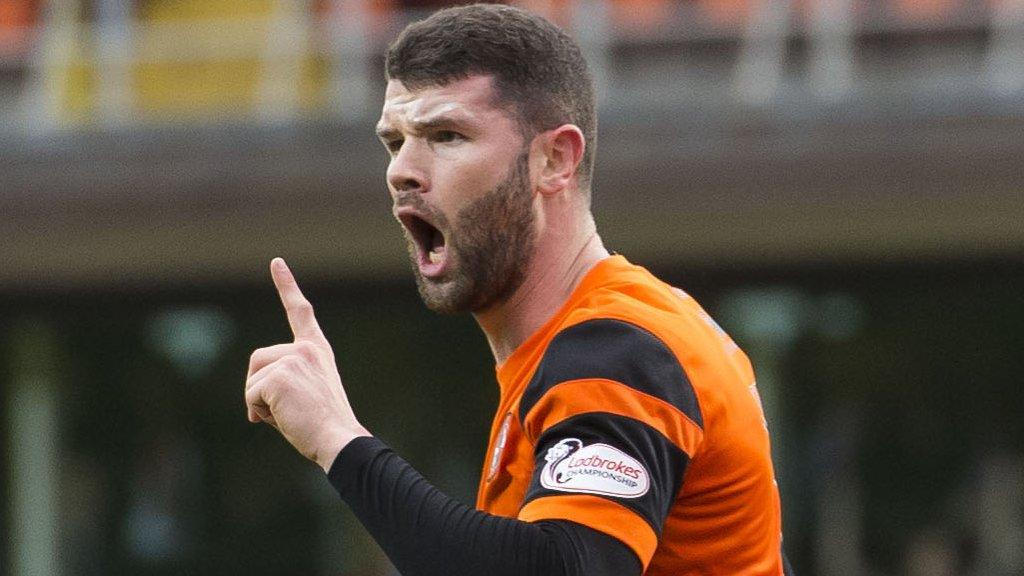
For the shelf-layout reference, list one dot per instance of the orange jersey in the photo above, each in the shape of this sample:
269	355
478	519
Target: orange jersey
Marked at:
631	412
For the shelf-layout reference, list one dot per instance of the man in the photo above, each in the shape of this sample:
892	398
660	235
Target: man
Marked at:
629	438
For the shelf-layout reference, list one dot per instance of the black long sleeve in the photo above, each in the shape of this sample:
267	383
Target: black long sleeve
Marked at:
425	532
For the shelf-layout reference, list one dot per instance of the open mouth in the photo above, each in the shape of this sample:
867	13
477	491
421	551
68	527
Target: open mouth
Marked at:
430	244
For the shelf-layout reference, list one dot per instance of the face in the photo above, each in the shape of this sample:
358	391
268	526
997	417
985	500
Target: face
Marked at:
460	181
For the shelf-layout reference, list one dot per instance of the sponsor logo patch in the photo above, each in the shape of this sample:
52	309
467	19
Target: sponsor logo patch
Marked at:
593	469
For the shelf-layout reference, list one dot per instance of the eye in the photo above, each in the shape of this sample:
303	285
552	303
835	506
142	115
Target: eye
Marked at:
394	145
444	136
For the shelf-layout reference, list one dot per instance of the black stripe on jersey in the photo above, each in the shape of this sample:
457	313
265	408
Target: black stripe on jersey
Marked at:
663	460
613	350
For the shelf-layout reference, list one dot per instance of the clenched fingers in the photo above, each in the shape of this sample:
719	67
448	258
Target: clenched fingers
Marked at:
266	383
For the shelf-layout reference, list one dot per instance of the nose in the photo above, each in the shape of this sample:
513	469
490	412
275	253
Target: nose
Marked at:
407	171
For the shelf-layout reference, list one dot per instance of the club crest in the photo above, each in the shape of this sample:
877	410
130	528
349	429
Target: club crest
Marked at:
499	447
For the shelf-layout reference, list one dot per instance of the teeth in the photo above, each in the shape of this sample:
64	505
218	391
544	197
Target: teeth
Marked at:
435	257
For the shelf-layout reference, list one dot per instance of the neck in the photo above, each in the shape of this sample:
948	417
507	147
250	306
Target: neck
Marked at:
551	277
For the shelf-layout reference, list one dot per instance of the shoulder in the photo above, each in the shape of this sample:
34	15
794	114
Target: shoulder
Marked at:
617	350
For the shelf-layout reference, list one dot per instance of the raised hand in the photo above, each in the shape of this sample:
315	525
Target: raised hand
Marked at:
295	387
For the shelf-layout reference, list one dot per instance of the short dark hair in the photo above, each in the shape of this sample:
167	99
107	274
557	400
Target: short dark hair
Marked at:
537	68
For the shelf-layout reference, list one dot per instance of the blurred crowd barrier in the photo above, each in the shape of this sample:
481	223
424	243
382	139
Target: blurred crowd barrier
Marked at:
106	63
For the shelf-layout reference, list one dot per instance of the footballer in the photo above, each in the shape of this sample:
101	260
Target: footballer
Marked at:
629	438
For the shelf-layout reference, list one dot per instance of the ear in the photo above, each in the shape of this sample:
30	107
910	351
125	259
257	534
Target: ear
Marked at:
559	152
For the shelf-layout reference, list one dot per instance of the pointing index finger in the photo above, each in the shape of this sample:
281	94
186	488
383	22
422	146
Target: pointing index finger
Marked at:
300	312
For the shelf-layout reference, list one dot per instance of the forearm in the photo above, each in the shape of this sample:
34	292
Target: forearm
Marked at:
425	532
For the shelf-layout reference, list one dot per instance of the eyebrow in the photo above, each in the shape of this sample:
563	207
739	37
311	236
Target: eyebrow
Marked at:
441	121
385	133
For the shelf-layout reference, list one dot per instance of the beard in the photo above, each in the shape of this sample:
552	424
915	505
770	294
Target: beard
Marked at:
489	247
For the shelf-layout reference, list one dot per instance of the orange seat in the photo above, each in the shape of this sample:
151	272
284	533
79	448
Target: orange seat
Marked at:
924	10
16	20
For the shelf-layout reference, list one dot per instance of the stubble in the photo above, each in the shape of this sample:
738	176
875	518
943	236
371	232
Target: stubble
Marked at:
491	245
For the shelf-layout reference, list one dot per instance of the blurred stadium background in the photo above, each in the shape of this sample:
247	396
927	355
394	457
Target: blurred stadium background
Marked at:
841	182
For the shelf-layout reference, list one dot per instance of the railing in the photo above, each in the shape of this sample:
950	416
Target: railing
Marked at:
281	61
